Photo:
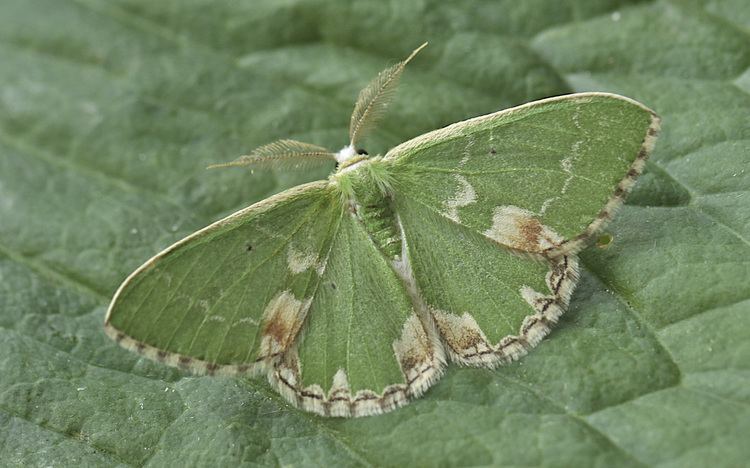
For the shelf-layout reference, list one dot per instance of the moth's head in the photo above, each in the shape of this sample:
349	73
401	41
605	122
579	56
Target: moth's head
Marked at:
348	155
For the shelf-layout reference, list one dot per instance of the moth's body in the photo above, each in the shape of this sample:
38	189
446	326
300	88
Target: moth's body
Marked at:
352	293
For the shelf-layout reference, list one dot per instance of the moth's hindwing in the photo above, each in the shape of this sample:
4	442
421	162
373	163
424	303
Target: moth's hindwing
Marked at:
495	209
364	349
232	297
489	304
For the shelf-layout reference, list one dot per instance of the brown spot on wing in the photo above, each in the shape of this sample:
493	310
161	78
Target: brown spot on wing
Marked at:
282	320
461	333
279	328
414	350
529	230
520	229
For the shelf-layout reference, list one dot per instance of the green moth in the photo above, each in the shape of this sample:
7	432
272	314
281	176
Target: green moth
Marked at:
351	294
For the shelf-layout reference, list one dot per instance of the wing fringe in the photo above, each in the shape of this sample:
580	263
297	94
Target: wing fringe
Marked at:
623	189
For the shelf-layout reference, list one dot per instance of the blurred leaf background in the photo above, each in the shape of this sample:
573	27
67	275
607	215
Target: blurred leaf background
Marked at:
110	111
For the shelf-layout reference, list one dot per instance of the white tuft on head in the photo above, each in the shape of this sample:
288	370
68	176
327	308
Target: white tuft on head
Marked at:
346	153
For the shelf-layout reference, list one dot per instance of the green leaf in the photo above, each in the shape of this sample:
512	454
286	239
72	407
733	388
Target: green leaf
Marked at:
110	110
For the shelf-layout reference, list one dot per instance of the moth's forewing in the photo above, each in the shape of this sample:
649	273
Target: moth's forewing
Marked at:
569	161
232	296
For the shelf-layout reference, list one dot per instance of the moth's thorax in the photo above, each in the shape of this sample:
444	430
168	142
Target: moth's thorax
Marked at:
355	167
365	187
352	164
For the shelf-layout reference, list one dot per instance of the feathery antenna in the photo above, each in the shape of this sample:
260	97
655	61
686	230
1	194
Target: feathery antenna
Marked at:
373	100
290	154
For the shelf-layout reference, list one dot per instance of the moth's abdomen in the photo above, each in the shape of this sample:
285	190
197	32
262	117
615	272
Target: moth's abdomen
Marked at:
380	222
374	210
